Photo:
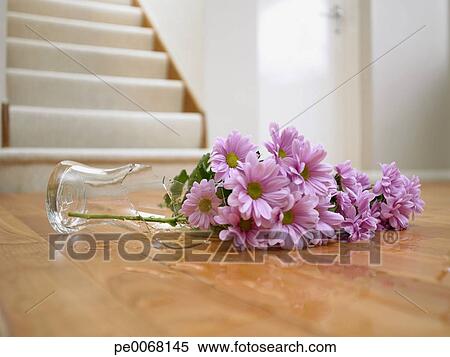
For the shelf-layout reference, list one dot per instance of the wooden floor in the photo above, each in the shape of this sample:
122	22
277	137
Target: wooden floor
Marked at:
407	294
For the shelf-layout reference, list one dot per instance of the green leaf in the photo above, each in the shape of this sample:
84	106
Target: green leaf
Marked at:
176	189
201	171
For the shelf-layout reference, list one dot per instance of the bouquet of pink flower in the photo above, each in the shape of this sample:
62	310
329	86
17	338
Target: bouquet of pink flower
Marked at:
292	197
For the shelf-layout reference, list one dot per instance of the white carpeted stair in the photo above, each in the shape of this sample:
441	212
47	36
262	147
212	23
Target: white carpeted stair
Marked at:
80	10
75	90
44	127
36	54
77	31
127	112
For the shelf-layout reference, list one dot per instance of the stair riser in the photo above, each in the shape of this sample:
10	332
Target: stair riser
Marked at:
84	10
87	91
77	32
40	127
42	56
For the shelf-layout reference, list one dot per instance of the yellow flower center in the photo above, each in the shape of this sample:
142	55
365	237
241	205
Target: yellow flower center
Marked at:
204	205
282	153
305	173
254	190
288	217
232	160
245	225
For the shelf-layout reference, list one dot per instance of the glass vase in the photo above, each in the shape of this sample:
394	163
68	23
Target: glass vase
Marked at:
80	196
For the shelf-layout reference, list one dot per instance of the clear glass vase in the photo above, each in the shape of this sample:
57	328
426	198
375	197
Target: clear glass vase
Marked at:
80	196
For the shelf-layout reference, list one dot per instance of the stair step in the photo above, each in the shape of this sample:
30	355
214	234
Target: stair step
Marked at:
81	10
79	32
120	2
28	169
81	128
70	90
40	55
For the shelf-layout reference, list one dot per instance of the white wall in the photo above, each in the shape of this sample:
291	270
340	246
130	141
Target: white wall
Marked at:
251	62
301	59
2	55
181	27
2	49
410	85
213	43
231	73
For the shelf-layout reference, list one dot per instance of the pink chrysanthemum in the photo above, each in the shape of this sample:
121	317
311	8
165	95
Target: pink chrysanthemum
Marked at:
308	172
395	211
346	175
350	178
329	221
391	181
281	145
359	222
201	204
258	188
243	232
412	187
295	220
363	180
229	153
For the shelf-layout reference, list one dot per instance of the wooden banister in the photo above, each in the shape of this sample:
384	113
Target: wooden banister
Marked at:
5	125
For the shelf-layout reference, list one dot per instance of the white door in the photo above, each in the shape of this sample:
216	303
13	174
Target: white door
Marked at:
307	48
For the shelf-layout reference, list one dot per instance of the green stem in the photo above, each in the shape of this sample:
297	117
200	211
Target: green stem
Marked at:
169	220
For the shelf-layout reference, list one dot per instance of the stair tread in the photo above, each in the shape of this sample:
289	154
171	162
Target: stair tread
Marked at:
43	56
55	29
92	11
81	23
122	2
105	112
89	48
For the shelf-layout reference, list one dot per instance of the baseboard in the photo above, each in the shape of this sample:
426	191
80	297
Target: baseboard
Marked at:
424	175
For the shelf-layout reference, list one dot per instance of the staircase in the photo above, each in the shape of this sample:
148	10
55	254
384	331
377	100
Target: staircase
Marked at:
90	81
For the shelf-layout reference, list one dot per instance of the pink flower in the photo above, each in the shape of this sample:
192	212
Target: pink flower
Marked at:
391	181
281	145
346	175
329	221
243	232
412	187
258	189
359	222
295	220
201	204
343	201
359	226
350	178
395	211
363	180
308	172
229	153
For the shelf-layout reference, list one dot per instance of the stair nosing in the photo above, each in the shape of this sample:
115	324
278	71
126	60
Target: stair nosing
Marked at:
57	110
82	23
97	3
